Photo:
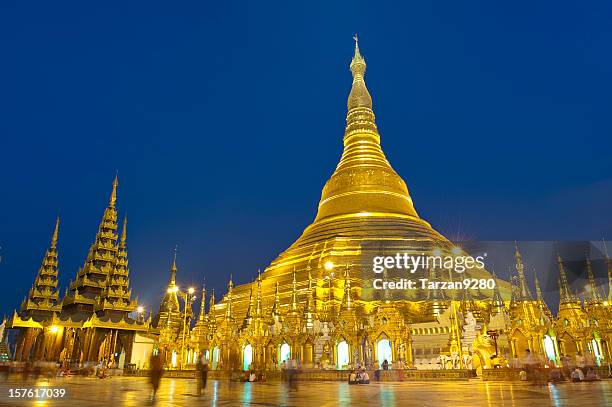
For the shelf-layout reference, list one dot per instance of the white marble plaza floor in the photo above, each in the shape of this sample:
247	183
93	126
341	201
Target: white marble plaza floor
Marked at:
132	391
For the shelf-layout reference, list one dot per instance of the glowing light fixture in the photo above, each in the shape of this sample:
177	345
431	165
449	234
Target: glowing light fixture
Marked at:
329	265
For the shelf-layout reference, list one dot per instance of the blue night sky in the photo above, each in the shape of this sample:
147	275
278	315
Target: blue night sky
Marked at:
225	120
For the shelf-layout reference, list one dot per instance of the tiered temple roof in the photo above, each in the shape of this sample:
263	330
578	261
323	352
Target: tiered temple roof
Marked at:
116	299
43	297
92	279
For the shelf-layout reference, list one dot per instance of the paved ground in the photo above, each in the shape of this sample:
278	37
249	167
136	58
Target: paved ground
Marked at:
119	391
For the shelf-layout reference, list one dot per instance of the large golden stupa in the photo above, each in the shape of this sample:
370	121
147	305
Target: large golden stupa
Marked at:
365	211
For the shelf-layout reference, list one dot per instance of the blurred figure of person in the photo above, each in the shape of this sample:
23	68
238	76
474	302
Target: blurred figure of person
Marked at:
352	378
591	375
529	366
364	377
555	375
292	371
201	373
580	361
157	370
577	375
385	364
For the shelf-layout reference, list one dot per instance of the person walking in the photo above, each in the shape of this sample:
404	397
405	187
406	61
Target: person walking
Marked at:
201	374
157	369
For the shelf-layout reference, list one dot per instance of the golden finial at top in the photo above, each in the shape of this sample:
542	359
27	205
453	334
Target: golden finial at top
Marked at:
174	260
55	233
359	96
358	64
124	231
113	197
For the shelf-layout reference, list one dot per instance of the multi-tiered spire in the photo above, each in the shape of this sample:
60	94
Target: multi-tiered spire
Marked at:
540	299
347	301
275	312
93	277
524	294
200	329
229	312
594	296
498	302
43	296
117	297
565	292
364	181
169	314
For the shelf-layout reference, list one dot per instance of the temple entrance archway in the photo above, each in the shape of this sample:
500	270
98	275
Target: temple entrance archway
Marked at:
285	352
215	357
343	355
247	356
549	348
384	351
174	359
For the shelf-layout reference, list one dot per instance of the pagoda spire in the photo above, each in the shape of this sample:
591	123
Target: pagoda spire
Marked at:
276	306
258	309
359	96
173	269
92	279
539	295
117	295
347	301
202	315
498	301
248	319
113	196
594	296
294	299
169	313
565	293
364	182
311	305
124	232
540	299
43	296
229	314
55	234
523	288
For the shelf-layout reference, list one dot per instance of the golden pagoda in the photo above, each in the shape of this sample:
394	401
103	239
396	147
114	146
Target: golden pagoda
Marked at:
43	296
319	287
170	320
92	322
35	338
